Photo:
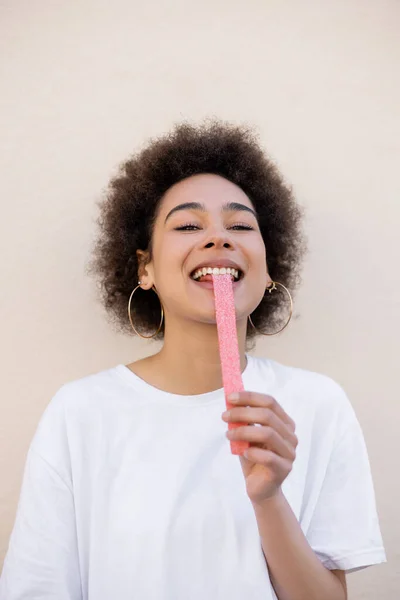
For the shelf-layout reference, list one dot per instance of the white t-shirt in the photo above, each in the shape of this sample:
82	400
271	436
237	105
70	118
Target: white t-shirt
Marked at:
131	492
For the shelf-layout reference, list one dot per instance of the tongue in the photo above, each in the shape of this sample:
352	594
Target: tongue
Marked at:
205	278
210	277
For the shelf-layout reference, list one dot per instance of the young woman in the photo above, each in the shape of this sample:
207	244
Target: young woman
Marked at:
130	488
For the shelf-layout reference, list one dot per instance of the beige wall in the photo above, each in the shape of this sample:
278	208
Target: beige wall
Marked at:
84	83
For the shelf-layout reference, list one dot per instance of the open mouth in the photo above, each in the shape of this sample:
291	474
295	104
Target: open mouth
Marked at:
205	273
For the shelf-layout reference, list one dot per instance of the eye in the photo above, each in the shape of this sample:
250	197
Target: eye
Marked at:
187	227
192	227
242	226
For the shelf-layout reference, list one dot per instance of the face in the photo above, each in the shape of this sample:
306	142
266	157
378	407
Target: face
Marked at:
203	221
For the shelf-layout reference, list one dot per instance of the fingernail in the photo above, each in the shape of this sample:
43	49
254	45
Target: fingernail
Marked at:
233	397
225	415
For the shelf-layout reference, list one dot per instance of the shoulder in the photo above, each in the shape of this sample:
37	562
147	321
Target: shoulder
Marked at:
305	391
302	380
86	390
75	403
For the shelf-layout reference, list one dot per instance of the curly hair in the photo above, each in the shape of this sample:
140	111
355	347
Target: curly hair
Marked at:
129	209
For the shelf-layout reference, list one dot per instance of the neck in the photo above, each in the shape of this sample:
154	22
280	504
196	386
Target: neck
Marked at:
189	361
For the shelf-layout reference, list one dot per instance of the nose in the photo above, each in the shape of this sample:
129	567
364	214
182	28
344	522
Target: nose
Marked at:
217	236
219	241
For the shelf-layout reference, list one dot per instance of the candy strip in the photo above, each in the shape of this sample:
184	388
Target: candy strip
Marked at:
228	347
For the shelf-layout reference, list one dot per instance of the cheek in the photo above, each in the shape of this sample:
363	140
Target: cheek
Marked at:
169	258
257	254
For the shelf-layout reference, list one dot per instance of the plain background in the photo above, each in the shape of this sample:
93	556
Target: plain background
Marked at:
83	85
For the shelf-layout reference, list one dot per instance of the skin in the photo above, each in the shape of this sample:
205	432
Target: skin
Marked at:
188	363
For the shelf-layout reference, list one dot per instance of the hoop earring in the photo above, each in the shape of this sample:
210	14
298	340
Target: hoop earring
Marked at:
145	337
270	289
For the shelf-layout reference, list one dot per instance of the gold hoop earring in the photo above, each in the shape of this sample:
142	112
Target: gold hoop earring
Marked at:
270	289
145	337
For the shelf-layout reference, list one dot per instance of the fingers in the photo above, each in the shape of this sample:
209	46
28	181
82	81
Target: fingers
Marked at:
262	416
265	437
276	434
281	467
262	401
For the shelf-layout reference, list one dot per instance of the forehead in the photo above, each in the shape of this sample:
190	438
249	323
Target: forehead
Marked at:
211	190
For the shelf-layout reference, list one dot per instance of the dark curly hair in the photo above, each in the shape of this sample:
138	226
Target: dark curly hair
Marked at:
129	209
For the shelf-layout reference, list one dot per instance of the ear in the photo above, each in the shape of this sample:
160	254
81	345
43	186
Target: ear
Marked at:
268	279
144	268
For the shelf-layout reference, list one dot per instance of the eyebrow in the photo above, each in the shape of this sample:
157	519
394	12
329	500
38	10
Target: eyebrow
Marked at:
229	207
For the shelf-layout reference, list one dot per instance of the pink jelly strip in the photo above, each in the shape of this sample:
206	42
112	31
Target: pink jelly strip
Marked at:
228	347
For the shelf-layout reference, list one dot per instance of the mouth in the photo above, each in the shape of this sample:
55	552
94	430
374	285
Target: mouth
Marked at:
204	275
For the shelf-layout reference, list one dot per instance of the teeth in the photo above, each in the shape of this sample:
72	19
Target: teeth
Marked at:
216	271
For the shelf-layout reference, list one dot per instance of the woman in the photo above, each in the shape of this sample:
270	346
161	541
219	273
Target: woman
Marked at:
130	488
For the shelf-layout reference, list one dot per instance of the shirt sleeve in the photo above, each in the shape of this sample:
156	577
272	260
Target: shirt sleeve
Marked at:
42	558
344	530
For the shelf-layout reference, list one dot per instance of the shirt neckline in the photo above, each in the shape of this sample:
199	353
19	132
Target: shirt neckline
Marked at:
154	393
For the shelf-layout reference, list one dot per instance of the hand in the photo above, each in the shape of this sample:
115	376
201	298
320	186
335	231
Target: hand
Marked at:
272	452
